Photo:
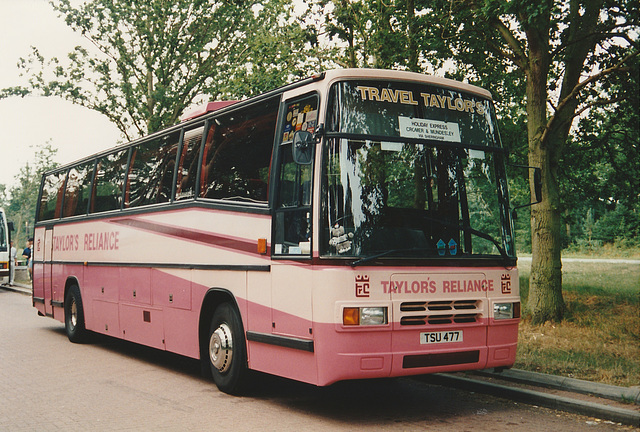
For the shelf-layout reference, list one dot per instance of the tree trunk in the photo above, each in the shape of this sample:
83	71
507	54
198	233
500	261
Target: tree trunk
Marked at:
545	286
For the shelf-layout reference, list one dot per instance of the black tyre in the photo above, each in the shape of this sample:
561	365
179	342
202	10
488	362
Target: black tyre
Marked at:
227	350
74	316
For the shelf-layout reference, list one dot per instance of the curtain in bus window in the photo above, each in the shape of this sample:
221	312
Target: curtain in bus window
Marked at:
109	182
52	194
237	154
188	164
78	190
150	176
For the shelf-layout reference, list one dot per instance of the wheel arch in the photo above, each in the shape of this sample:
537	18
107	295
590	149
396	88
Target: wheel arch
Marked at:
212	299
71	280
74	320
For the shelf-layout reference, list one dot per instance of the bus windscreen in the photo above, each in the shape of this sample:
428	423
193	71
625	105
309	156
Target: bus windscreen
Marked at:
413	172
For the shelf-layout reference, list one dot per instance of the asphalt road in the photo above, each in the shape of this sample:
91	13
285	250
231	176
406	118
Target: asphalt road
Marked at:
48	383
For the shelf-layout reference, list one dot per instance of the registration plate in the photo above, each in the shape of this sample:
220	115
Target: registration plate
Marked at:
441	337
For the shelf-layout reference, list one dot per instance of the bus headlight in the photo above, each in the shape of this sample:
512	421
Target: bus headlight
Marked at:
364	316
506	310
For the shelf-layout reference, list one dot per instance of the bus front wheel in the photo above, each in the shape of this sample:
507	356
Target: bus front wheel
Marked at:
74	316
227	350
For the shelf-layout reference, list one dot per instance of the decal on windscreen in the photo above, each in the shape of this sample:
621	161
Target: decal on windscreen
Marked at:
406	97
429	129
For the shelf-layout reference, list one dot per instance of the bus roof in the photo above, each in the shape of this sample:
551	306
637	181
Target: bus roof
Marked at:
395	75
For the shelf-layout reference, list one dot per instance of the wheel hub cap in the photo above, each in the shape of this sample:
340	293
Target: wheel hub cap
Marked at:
221	348
74	314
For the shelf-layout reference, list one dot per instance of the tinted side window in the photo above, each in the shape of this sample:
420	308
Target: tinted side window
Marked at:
151	169
188	165
109	182
237	153
78	190
52	194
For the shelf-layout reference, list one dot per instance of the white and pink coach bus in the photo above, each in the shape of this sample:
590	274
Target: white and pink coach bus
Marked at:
355	224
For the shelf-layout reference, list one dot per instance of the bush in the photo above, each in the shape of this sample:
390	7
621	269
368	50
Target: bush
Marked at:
618	225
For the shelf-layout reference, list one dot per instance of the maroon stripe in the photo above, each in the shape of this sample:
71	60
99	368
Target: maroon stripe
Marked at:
196	236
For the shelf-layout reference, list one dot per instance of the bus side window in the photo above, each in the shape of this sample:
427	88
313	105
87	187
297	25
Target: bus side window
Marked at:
52	194
167	167
237	156
188	163
208	155
109	182
293	216
151	169
78	189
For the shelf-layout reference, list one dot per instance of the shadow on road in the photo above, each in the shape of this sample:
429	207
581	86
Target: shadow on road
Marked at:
360	401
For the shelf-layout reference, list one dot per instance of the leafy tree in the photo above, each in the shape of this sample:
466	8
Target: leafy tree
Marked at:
150	59
604	153
621	223
21	206
604	175
3	195
382	34
276	54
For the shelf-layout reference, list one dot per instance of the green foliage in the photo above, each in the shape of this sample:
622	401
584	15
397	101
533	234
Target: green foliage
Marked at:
398	34
620	223
279	50
21	203
601	185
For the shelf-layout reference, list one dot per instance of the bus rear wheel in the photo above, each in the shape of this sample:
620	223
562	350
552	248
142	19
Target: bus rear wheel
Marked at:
74	316
227	350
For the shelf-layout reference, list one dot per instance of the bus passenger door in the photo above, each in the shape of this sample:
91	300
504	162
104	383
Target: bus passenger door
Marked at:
38	260
291	269
47	270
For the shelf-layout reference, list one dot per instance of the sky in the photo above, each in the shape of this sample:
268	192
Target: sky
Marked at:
28	123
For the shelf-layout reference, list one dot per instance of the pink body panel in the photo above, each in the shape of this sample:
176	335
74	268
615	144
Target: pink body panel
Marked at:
144	278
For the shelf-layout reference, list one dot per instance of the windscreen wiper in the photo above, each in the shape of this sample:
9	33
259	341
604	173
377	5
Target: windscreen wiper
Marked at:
467	228
389	252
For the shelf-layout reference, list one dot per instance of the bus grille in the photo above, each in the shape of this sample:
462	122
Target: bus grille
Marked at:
440	312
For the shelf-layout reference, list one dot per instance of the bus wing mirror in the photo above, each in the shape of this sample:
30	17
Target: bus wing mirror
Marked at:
10	226
537	189
537	184
302	147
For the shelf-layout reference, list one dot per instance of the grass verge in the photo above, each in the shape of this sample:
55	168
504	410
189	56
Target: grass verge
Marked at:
599	339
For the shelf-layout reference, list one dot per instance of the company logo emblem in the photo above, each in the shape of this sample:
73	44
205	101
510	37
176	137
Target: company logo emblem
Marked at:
362	286
505	283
